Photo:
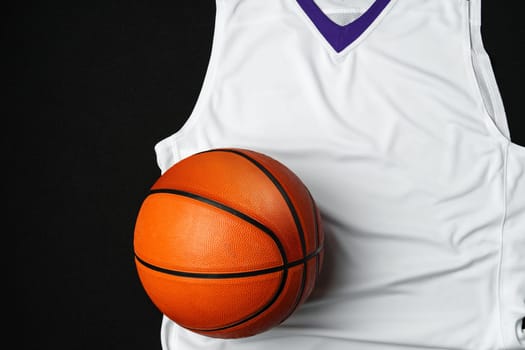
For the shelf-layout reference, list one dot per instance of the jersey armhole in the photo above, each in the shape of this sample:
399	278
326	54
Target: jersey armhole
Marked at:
167	150
484	78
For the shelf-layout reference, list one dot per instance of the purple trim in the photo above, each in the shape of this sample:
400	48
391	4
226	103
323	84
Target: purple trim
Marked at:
340	37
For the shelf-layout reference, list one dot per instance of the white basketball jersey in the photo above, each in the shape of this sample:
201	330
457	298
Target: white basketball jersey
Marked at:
389	112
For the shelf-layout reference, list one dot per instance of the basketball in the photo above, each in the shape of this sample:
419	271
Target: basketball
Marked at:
228	243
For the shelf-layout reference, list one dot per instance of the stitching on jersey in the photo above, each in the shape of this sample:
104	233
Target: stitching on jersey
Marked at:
502	229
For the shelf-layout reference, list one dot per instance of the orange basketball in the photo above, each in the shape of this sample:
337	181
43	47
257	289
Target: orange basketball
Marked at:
228	243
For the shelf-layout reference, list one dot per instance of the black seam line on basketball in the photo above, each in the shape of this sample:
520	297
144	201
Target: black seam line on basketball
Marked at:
317	244
317	232
230	210
231	274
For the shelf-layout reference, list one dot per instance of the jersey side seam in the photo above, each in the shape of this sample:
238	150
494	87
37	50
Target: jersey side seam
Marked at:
501	246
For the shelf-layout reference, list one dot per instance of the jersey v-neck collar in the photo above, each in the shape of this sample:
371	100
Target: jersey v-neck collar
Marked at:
342	36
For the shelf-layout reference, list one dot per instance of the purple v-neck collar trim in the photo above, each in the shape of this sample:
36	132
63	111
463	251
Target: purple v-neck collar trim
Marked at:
340	37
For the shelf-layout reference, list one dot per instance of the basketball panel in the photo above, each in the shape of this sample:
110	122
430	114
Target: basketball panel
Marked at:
274	315
182	234
201	304
226	177
302	204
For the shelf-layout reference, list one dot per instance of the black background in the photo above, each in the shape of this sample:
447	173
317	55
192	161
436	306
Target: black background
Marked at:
90	89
